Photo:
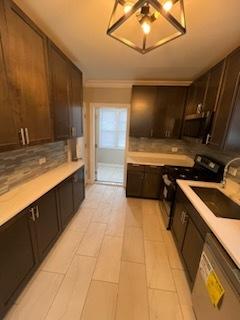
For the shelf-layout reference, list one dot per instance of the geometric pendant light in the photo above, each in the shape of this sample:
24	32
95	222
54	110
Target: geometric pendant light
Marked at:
147	24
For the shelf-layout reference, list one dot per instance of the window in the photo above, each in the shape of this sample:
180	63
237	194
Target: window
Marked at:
112	128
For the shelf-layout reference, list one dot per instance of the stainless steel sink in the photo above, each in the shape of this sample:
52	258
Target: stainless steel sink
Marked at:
218	202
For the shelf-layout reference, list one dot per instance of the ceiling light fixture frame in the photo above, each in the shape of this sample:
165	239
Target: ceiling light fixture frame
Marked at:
179	26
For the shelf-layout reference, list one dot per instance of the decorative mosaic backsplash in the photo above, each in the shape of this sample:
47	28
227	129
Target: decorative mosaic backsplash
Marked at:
184	147
21	165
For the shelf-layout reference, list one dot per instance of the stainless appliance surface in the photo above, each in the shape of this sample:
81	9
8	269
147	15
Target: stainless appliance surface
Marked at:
204	169
220	299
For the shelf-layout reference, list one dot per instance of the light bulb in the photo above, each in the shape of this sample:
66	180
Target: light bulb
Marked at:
168	5
127	7
146	26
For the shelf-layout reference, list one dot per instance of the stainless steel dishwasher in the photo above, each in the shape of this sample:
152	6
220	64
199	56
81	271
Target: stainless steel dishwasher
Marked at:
217	298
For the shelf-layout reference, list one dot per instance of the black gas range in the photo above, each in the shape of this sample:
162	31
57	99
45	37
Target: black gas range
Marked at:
204	169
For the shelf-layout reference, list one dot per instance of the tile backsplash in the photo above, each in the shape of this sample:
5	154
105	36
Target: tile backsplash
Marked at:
184	147
18	166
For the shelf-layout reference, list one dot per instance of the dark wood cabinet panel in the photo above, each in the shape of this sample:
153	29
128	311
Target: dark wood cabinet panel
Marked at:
17	258
8	126
223	128
134	183
76	109
60	91
47	225
197	95
180	220
143	105
78	188
192	249
26	64
214	86
152	182
66	204
169	112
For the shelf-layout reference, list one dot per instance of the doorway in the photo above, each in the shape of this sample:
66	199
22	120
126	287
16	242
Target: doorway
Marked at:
110	144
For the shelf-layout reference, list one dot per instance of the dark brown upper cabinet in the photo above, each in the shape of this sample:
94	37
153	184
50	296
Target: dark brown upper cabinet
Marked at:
8	126
157	112
76	105
25	55
66	95
169	110
197	95
60	92
226	129
144	100
214	86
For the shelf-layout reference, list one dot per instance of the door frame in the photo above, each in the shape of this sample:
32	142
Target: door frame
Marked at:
93	107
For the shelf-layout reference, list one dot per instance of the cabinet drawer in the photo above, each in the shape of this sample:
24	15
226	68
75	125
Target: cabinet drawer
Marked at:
135	167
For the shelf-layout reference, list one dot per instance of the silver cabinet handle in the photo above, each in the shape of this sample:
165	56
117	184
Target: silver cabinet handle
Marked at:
37	212
27	136
151	132
22	136
33	218
208	139
74	132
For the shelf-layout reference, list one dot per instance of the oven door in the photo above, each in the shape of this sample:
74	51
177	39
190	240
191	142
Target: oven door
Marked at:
168	198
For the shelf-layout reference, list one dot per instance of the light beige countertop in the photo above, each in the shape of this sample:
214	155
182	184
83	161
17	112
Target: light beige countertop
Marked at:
159	159
19	198
227	231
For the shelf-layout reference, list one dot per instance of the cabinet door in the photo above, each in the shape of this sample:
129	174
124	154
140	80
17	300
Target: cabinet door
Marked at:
8	126
76	102
142	111
197	95
66	205
180	220
135	179
78	189
169	112
60	86
192	249
17	258
152	182
227	103
47	225
214	86
26	62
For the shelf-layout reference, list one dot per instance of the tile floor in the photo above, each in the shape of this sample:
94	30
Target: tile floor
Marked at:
114	261
110	173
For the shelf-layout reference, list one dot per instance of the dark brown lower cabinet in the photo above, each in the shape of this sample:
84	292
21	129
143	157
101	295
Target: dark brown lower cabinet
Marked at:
66	205
18	258
27	238
189	231
143	181
78	189
192	249
47	224
152	182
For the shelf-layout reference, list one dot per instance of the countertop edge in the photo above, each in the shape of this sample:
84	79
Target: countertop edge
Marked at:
67	169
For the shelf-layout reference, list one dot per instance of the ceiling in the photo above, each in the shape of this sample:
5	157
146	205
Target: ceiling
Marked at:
79	28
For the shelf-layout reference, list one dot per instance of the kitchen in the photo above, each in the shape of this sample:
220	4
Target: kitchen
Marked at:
165	244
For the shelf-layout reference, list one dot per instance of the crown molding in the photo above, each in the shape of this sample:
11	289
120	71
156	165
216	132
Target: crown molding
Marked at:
130	83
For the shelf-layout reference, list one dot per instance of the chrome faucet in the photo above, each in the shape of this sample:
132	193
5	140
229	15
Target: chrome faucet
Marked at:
224	181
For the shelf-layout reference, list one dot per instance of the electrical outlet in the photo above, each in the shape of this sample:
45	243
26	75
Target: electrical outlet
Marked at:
233	171
42	161
174	149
